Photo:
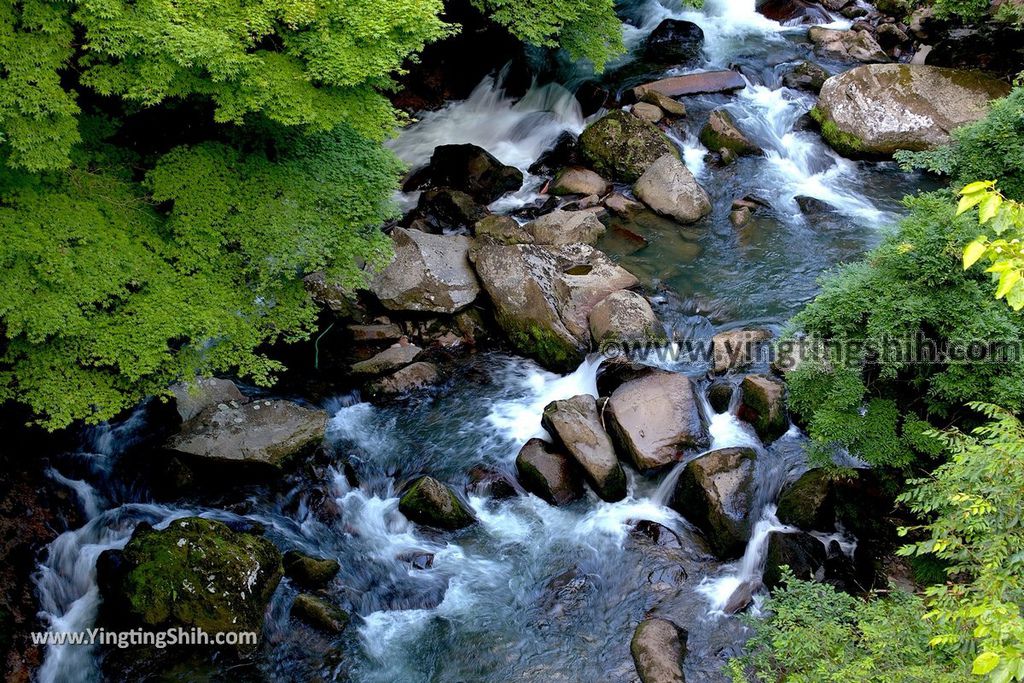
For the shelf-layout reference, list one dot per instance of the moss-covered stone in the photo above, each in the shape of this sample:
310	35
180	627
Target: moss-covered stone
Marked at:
622	146
319	613
309	571
764	406
195	573
847	144
432	503
720	132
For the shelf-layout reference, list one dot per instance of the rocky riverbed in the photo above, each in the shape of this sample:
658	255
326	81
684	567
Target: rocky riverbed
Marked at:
501	461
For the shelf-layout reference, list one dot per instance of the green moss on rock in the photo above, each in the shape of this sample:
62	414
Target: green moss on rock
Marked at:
431	503
621	146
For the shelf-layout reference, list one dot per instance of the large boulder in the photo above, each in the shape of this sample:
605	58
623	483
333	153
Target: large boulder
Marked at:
804	554
565	227
764	406
793	12
821	500
194	397
390	359
431	503
716	493
621	146
857	46
263	432
575	180
879	109
548	473
669	189
720	132
675	41
428	273
658	647
623	318
196	573
469	168
654	418
575	423
502	230
543	296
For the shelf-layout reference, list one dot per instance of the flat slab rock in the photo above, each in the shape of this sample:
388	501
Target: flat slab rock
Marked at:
264	432
694	84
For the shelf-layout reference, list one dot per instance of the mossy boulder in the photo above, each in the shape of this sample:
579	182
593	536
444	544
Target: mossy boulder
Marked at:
716	493
195	573
309	571
319	613
622	146
764	406
877	109
721	132
431	503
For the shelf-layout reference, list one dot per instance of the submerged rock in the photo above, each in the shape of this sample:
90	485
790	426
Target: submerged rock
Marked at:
764	406
623	318
654	418
548	473
857	46
621	146
675	41
428	273
658	648
879	109
319	613
543	296
469	168
575	180
565	227
309	571
576	424
669	189
195	573
431	503
716	492
720	132
262	432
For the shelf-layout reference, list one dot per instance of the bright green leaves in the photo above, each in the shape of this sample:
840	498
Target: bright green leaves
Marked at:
972	504
1005	253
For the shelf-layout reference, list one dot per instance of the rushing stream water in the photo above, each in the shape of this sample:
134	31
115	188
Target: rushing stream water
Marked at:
533	592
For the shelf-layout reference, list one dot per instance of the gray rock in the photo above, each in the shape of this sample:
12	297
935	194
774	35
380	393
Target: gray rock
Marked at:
625	317
565	227
575	180
502	230
409	378
716	493
428	273
319	613
648	112
878	109
857	46
737	349
764	406
664	102
576	424
668	188
543	296
388	360
654	418
264	432
802	553
193	398
548	472
658	647
720	132
805	76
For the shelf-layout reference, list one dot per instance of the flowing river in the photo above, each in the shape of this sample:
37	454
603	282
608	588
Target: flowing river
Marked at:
533	592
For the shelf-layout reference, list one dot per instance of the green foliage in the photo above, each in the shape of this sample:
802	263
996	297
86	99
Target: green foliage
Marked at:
107	298
911	288
587	29
1005	252
989	149
309	63
968	10
815	634
976	528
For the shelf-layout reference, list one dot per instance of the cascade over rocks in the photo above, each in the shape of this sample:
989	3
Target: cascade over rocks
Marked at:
878	109
431	503
716	493
658	648
764	406
668	188
576	424
195	573
654	418
720	132
262	432
621	146
675	41
625	317
470	169
543	296
548	473
428	273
